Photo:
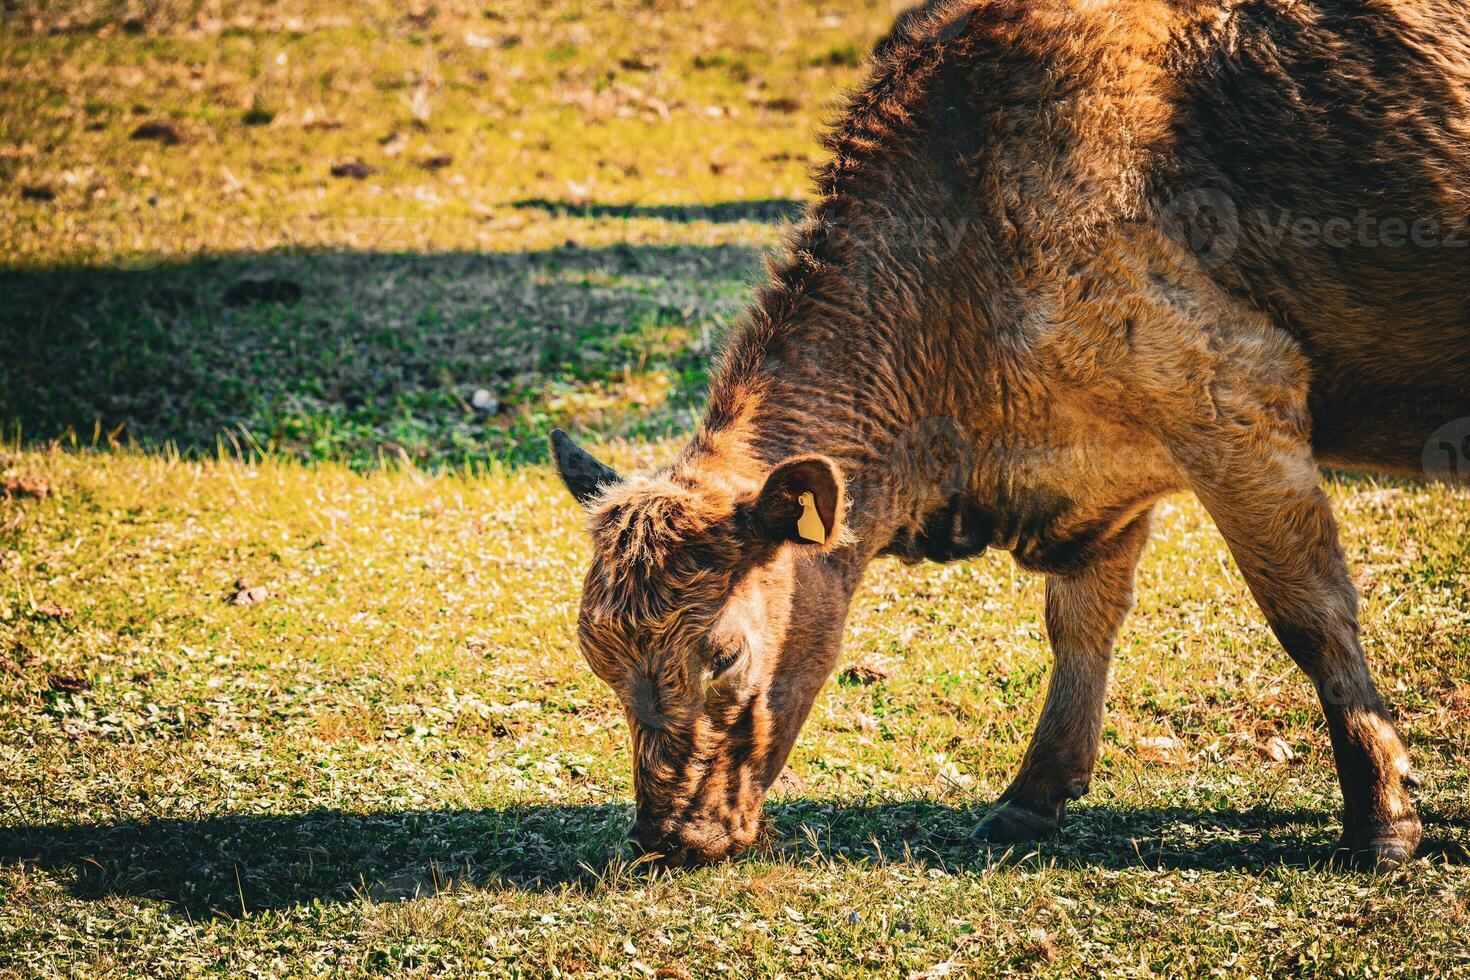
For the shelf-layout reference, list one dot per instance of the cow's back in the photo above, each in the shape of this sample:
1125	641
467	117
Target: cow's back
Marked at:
1331	143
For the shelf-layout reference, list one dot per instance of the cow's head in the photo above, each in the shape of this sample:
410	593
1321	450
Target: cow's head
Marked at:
711	612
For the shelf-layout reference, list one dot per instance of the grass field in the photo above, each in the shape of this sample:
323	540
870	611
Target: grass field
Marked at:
222	367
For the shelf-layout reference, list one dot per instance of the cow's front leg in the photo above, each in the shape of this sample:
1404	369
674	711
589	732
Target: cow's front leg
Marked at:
1084	612
1263	490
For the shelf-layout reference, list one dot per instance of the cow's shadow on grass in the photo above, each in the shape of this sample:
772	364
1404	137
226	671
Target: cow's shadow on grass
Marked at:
441	358
229	865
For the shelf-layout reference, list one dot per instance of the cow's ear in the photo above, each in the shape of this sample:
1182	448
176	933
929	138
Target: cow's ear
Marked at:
802	501
584	476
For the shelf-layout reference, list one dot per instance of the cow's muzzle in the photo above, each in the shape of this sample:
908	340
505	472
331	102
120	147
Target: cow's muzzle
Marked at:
694	842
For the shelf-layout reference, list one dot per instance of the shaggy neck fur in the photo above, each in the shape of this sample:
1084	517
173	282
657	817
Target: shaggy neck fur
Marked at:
854	342
895	308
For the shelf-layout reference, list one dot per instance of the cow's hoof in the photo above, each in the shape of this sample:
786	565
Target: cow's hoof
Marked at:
1380	848
1011	823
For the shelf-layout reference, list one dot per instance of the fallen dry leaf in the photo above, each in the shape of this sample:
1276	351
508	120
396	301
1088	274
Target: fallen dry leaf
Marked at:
783	104
311	121
69	683
250	595
17	660
789	783
393	143
1458	699
863	674
1045	946
1163	749
353	167
53	610
1277	750
25	486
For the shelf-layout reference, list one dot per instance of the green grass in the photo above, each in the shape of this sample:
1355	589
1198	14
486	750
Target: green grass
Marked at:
397	763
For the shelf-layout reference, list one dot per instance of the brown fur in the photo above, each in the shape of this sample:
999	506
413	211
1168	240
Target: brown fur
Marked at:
996	331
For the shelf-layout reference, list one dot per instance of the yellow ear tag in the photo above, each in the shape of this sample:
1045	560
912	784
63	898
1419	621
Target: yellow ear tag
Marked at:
810	525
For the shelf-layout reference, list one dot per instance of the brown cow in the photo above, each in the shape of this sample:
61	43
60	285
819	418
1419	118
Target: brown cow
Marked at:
1068	256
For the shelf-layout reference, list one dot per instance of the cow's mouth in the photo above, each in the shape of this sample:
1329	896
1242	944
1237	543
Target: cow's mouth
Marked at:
696	843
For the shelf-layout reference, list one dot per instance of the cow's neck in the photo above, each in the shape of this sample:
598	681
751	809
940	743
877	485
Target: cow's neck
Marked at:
852	353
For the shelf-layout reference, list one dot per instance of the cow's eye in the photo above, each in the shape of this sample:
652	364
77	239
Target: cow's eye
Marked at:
723	660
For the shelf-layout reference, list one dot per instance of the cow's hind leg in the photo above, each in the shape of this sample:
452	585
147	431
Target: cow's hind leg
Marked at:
1265	496
1083	615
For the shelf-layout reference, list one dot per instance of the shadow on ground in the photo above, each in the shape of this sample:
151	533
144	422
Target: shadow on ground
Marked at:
217	866
768	211
440	358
